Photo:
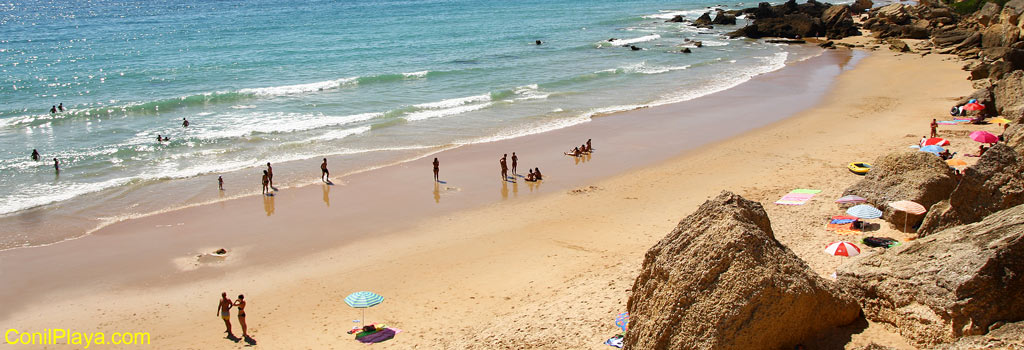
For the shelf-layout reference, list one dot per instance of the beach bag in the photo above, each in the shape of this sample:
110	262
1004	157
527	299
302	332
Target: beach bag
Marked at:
877	242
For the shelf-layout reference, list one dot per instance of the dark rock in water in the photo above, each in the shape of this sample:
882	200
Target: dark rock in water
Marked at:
703	20
790	20
685	50
959	282
698	43
995	183
634	48
724	19
791	26
861	5
676	19
720	280
827	44
921	177
898	45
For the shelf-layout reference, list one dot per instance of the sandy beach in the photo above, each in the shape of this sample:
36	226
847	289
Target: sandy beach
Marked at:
477	263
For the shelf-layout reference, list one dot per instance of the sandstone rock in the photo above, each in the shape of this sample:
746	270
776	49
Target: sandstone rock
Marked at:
874	346
895	13
1009	94
940	12
898	45
1008	336
720	280
995	183
838	22
954	283
988	14
921	177
861	5
1011	13
951	37
914	32
984	95
999	35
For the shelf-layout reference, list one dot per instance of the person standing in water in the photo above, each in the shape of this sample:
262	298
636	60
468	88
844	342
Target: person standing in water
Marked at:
590	148
220	182
60	107
266	181
56	165
325	175
504	167
270	175
437	168
53	110
184	123
515	162
240	304
224	311
35	155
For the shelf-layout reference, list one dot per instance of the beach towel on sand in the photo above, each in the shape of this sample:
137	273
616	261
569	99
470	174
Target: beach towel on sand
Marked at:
615	341
842	224
797	197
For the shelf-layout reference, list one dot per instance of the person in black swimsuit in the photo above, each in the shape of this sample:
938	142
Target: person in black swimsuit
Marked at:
325	175
437	168
35	155
240	304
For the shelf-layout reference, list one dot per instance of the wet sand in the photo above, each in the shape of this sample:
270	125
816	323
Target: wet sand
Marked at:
479	262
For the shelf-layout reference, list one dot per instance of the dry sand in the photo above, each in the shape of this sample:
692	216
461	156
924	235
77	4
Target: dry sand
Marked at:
547	271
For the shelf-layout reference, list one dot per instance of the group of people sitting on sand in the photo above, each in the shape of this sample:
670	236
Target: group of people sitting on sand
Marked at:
585	148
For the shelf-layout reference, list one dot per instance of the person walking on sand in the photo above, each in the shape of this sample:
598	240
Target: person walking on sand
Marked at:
270	175
437	168
504	167
240	304
266	181
220	182
325	175
515	162
35	155
224	311
935	128
184	123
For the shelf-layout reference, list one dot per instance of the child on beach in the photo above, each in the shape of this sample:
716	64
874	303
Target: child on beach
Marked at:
537	175
220	182
437	168
270	175
266	181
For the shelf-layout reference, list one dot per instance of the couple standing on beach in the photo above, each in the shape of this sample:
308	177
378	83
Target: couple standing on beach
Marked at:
224	311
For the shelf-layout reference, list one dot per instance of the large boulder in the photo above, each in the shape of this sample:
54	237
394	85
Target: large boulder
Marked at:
921	177
951	37
792	26
723	18
988	14
959	282
895	13
1011	13
861	5
998	35
720	280
1009	95
995	183
838	22
703	20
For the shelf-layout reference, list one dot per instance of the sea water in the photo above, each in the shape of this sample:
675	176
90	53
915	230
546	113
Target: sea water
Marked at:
363	82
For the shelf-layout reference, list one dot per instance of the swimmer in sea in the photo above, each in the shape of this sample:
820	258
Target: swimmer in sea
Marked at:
35	155
184	122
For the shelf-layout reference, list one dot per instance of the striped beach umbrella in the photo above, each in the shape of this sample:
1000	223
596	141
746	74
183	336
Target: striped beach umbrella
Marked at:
842	248
938	141
864	211
363	300
908	207
851	199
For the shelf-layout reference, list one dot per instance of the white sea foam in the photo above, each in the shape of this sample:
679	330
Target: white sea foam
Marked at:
624	42
299	88
339	134
241	125
446	112
420	74
727	80
44	193
454	102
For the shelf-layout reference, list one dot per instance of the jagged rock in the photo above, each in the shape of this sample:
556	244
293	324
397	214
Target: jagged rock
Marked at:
720	280
980	71
894	13
982	95
724	19
828	44
786	41
988	14
898	45
676	19
861	5
951	37
703	20
874	346
999	35
1009	94
995	183
791	26
955	283
838	22
914	32
685	50
698	43
921	177
940	12
1011	13
1007	336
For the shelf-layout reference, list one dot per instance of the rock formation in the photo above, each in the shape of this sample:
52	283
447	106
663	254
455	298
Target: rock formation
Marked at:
859	6
1008	336
790	20
959	282
995	183
921	177
721	280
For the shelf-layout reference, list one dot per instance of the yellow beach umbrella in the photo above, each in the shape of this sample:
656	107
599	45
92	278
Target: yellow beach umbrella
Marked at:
956	162
1000	120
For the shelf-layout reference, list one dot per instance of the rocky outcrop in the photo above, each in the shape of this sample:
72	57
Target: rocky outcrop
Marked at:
676	19
995	183
720	280
790	20
999	35
704	20
723	18
1009	95
958	282
915	176
898	45
1008	336
859	6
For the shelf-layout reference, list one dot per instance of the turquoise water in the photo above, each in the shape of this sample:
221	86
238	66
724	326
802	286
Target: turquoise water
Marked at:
365	83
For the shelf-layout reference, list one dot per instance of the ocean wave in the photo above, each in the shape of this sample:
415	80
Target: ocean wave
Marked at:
454	102
47	193
338	134
624	42
728	80
446	112
243	125
298	88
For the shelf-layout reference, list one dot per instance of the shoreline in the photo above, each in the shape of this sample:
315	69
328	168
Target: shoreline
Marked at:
514	273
